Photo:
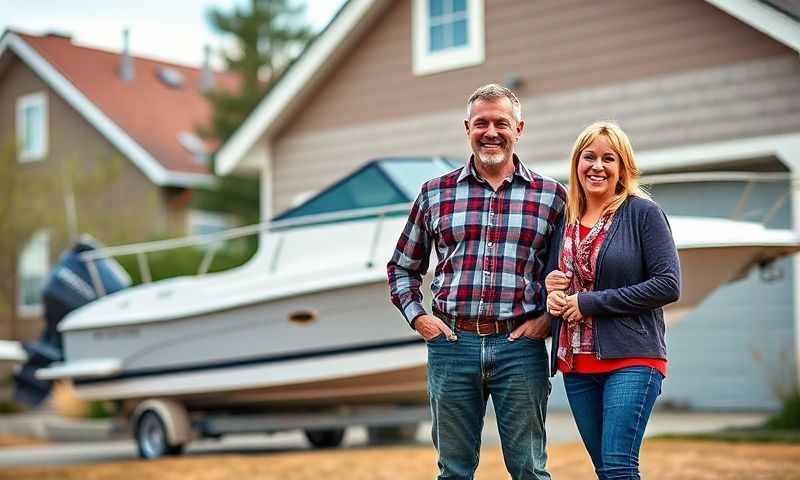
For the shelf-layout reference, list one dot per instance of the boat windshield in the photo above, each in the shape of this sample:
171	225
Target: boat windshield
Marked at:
379	183
409	174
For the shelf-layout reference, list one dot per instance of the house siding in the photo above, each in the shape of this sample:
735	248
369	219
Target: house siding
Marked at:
746	99
128	208
671	72
553	46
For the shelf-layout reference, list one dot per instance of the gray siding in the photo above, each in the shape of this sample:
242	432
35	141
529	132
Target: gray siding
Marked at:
736	348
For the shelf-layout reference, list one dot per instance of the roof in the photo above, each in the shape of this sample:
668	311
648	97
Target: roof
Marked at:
142	118
770	17
296	85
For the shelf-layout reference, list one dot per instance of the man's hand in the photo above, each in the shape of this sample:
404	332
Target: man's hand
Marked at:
557	280
431	327
571	311
538	328
556	301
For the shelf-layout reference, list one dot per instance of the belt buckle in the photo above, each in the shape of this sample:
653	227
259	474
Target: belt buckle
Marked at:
478	329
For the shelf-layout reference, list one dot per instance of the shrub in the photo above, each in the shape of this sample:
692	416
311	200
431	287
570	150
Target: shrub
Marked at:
99	409
7	407
789	416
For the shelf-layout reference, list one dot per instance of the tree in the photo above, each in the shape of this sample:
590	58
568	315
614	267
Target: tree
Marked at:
268	35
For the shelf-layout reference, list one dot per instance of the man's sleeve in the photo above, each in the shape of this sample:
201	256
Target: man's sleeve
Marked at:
554	246
410	262
559	214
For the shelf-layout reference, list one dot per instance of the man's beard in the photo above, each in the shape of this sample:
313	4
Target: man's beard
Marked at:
491	159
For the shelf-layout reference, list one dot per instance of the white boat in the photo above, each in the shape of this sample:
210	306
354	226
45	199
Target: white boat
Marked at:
307	322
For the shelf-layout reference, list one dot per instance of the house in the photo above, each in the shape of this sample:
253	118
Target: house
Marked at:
708	90
70	106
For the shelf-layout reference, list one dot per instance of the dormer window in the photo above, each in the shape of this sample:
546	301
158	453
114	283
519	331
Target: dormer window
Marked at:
31	127
447	34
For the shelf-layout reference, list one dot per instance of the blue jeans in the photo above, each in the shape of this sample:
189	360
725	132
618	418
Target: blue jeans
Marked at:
611	411
462	375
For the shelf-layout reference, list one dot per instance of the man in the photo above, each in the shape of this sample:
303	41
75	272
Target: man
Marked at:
491	223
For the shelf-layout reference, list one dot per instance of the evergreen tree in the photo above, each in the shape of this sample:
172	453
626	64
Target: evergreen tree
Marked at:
268	34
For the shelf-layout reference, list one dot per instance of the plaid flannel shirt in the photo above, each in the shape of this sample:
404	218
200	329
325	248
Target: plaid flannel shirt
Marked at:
492	247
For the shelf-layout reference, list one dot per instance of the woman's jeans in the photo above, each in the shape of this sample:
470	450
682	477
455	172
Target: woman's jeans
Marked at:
611	411
462	375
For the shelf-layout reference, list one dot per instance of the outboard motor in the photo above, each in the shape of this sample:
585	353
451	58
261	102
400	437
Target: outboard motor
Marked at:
69	286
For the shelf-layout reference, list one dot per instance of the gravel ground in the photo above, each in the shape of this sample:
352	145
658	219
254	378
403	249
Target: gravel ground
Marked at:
661	460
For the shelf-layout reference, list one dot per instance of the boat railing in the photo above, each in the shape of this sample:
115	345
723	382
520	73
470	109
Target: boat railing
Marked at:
750	179
214	240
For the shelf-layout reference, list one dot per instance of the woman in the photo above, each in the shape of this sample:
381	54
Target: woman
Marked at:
617	267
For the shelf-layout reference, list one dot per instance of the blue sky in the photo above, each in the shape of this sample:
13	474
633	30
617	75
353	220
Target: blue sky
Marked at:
172	30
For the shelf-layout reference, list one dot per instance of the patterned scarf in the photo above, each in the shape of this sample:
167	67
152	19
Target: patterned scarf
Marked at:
579	256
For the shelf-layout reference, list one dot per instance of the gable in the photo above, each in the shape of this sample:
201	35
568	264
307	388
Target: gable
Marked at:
141	129
543	44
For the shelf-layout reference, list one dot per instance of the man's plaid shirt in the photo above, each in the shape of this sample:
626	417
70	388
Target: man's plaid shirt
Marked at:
492	247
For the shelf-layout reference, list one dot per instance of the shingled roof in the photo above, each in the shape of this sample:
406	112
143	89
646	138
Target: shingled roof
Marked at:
144	117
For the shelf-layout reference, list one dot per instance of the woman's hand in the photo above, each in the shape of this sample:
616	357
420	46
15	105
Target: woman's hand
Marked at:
571	312
556	301
557	280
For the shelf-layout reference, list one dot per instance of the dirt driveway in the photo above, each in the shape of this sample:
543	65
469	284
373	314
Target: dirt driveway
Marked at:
662	460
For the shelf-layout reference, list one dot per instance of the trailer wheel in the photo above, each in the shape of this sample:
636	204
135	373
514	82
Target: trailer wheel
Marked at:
151	437
325	438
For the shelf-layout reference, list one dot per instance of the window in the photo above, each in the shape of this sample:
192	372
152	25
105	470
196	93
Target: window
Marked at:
33	266
447	34
32	127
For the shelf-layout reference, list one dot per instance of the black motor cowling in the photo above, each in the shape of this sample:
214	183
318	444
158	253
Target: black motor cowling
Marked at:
69	286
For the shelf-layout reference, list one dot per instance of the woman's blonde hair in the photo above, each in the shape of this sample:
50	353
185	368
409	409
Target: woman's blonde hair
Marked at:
628	183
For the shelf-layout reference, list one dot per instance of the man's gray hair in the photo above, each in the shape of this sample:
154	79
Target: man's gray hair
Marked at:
493	92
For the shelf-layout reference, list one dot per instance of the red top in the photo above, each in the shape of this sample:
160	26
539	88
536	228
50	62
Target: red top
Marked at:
589	363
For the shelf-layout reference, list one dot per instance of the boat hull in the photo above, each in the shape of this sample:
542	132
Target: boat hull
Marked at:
338	346
355	348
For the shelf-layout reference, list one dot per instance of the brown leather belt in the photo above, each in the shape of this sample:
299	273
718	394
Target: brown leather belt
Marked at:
481	328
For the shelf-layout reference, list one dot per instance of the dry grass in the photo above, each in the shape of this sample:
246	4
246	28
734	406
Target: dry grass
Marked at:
662	460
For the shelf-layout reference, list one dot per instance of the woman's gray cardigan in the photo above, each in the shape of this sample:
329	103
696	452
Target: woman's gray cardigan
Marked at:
637	273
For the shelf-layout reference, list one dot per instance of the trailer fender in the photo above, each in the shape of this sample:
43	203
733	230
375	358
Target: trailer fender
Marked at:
173	414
